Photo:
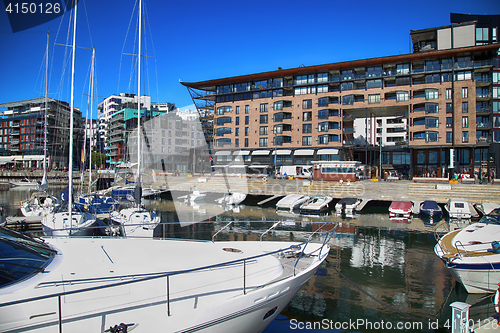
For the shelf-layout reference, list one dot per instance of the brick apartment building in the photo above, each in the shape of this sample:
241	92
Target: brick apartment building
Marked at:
445	97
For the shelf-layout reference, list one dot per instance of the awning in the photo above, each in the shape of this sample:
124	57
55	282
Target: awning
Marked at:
328	151
261	152
283	152
6	159
223	153
33	158
304	152
258	166
241	152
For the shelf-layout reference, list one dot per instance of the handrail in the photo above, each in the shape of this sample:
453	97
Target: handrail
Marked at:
265	232
224	227
307	242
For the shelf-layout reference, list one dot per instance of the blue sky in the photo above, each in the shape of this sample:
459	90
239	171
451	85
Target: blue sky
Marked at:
202	40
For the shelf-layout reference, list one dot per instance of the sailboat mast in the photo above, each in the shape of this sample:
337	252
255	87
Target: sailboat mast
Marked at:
71	124
90	120
139	97
45	115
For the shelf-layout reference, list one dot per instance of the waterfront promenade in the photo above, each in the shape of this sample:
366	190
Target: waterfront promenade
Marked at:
366	189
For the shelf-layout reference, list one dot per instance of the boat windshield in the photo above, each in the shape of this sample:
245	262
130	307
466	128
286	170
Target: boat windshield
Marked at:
21	257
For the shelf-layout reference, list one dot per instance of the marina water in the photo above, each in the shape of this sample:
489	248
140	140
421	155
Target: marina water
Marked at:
381	275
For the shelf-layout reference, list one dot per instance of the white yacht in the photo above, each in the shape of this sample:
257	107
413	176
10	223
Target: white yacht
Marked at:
472	254
233	198
291	201
347	205
80	284
135	221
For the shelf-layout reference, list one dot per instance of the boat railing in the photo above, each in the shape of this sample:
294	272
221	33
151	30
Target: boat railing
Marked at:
268	230
327	236
218	231
138	278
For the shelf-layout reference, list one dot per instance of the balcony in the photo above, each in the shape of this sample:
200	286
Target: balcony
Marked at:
483	125
348	143
483	110
483	96
348	130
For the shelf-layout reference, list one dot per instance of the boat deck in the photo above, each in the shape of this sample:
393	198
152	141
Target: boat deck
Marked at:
450	250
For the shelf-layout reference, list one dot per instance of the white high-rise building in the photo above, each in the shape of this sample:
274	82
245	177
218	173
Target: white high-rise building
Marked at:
391	130
115	103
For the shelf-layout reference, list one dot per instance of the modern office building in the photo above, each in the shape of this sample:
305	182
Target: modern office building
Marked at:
444	98
22	128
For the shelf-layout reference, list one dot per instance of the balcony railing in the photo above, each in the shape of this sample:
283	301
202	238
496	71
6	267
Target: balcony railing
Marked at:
483	125
483	110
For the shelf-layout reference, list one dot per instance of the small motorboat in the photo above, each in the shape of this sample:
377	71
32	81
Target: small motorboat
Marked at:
234	198
316	204
347	205
401	209
291	201
430	208
25	182
39	204
196	195
486	208
458	208
472	254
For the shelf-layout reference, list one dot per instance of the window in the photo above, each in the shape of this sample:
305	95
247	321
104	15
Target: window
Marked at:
448	93
375	98
237	121
374	84
223	109
402	69
237	131
306	116
482	34
247	109
465	122
278	129
306	128
348	100
247	120
449	137
237	109
401	96
263	142
465	92
431	94
322	77
247	130
449	108
465	136
496	121
496	92
246	142
432	136
496	76
307	140
264	118
278	105
323	127
347	86
307	104
431	122
449	122
323	139
322	88
263	107
263	130
323	101
465	107
461	76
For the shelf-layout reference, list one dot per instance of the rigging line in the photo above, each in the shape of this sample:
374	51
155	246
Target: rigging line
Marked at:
87	19
154	53
123	47
392	308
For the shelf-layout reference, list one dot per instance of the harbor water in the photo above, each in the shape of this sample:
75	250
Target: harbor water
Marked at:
380	275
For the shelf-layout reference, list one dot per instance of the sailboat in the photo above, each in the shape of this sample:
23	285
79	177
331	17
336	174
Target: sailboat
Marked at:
137	221
41	203
71	222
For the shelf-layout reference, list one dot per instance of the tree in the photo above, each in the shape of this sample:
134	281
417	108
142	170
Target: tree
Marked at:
98	159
